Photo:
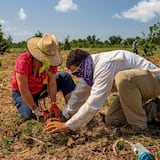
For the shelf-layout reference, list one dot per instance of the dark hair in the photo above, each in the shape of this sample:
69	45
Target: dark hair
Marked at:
75	57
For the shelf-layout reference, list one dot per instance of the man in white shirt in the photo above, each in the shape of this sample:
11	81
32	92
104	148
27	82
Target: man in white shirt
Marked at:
136	81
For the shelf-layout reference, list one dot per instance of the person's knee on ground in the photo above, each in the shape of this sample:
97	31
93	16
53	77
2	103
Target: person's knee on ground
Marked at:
115	116
131	99
26	114
24	111
114	122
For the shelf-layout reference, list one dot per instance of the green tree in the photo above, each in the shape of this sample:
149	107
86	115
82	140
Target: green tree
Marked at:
67	45
92	40
115	39
38	34
4	43
128	41
150	41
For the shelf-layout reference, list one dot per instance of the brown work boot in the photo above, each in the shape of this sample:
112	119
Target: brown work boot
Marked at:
128	130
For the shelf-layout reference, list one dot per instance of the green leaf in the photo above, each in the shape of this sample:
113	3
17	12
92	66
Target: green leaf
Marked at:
46	63
42	69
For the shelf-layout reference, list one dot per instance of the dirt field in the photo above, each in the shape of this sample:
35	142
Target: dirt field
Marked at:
27	141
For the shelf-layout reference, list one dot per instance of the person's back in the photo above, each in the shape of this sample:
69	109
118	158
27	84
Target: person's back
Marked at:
124	59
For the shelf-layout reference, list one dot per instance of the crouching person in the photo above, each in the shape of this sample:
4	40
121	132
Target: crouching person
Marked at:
28	83
136	81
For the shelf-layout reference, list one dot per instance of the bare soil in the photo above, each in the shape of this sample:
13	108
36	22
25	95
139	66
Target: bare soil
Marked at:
27	141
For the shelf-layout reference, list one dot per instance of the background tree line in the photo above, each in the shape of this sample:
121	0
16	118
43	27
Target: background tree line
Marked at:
147	42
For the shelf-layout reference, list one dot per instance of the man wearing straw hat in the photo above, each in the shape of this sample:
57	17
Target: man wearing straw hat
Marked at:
28	83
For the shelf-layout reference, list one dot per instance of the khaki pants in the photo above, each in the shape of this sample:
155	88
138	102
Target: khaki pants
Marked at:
135	87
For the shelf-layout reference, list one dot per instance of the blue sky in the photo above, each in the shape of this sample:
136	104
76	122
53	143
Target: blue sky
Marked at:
78	18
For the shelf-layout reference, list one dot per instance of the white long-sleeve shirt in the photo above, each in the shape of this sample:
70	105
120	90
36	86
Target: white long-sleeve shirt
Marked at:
85	101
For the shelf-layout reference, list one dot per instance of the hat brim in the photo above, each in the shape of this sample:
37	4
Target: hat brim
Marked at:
55	60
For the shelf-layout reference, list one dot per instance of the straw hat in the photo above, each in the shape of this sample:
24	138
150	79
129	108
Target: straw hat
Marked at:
45	47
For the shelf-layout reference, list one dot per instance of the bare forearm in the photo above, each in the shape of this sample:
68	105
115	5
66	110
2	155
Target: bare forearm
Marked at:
25	92
27	97
52	93
52	88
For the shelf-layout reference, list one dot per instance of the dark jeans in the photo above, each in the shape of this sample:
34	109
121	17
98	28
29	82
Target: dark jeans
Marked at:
64	84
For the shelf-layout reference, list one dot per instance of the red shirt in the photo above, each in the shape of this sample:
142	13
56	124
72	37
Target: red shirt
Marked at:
24	66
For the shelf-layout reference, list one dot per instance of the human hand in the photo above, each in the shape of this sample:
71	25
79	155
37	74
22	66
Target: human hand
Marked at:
38	114
55	126
46	114
55	110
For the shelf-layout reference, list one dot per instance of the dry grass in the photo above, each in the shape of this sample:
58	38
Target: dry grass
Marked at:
26	141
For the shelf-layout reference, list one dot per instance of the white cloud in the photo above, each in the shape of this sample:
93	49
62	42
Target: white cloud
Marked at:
65	6
2	21
22	14
144	11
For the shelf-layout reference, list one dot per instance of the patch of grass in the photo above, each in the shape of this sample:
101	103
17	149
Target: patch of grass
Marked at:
3	68
10	119
6	145
6	141
102	140
12	129
52	149
31	128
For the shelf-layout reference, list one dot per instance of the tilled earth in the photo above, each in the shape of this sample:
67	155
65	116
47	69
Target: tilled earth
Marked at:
27	141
